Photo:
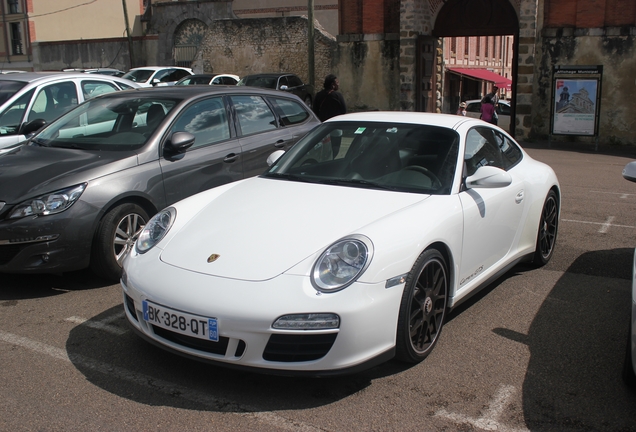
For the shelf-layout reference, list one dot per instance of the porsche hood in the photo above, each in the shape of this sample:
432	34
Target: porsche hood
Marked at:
262	227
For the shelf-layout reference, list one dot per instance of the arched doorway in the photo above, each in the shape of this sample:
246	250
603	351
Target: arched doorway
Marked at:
187	38
473	18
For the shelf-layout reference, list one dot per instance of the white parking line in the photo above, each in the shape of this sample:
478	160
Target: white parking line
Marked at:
604	225
155	384
101	324
490	419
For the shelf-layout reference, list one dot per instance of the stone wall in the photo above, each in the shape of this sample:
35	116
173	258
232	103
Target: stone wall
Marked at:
256	45
612	47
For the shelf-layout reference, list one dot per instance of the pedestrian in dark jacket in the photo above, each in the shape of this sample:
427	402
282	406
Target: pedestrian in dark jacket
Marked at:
329	102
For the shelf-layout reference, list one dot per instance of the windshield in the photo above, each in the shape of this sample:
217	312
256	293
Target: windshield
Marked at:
117	123
258	81
138	75
9	88
393	156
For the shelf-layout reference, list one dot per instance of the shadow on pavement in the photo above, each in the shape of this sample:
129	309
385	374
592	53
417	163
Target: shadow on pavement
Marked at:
577	343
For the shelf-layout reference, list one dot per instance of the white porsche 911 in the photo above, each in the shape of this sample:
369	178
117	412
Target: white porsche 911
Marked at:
349	251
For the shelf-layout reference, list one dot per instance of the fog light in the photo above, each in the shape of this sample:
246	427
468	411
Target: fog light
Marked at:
45	257
312	321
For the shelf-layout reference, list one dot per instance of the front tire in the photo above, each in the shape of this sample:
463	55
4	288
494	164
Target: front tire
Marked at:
423	307
548	228
115	237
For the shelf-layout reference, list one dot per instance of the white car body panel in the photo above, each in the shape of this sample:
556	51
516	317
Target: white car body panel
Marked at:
268	234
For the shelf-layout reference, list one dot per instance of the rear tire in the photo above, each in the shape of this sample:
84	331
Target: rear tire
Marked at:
114	238
423	307
548	228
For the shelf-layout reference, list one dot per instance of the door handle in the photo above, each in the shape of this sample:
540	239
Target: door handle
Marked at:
280	144
232	157
519	197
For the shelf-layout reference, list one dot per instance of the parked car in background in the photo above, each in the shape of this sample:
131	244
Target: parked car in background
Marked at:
281	81
381	236
473	109
102	71
28	100
80	191
209	79
629	365
150	76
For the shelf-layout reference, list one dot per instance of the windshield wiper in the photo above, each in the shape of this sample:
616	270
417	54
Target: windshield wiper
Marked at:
292	177
357	182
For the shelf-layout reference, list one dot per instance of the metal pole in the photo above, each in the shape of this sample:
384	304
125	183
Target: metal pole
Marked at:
310	42
130	44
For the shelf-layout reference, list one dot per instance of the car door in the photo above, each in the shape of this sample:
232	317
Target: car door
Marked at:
260	132
503	111
492	216
214	158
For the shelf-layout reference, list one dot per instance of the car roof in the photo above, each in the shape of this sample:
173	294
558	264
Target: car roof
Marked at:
159	68
450	121
34	77
187	92
269	74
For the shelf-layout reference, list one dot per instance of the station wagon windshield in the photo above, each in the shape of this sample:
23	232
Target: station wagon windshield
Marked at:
395	156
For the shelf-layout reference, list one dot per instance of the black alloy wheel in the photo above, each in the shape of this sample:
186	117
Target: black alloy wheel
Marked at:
423	308
548	228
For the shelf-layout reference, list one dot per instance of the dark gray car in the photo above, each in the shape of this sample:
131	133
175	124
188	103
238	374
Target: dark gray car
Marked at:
79	192
281	81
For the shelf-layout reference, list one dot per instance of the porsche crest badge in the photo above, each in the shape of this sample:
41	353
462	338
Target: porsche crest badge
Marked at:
213	258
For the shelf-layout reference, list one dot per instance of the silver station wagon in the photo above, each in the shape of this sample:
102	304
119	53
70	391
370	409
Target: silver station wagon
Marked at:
79	192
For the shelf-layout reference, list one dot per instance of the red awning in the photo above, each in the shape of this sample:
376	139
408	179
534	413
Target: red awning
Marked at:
484	74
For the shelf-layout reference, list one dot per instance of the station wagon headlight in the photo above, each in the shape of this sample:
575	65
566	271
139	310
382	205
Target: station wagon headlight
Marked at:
155	229
341	264
52	203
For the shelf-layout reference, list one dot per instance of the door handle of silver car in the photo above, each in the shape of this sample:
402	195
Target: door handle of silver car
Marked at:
230	158
280	144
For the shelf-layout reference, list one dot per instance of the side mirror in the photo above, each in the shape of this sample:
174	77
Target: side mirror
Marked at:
488	177
271	159
33	126
155	81
179	142
629	172
284	87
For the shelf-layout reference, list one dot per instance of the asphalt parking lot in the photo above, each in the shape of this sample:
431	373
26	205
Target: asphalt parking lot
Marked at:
539	350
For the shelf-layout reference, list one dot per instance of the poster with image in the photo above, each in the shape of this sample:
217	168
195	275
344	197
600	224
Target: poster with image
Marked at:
575	106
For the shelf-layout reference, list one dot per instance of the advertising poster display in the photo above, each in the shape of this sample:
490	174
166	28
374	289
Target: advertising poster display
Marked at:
575	106
576	96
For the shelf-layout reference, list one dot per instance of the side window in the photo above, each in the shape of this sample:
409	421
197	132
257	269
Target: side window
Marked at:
206	120
217	81
229	81
294	81
54	100
474	107
11	119
289	111
503	109
282	81
162	75
482	149
176	75
95	88
253	113
511	153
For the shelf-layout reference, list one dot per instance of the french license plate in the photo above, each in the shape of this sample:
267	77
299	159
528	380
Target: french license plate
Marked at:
180	322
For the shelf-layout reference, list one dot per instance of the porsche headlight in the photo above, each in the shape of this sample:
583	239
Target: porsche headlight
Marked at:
155	229
52	203
341	264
